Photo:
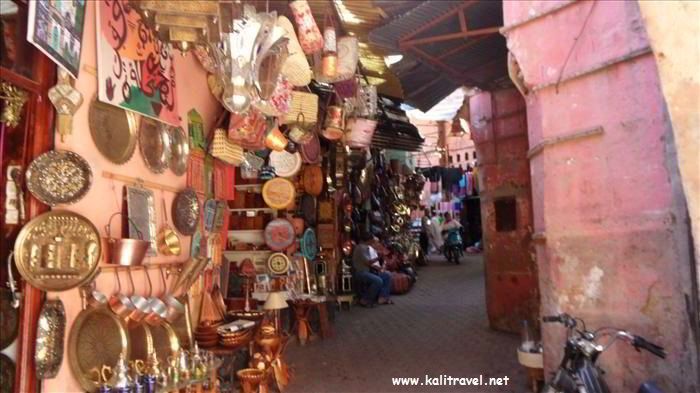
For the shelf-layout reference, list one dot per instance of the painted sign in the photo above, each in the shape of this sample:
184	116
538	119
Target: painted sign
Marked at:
135	69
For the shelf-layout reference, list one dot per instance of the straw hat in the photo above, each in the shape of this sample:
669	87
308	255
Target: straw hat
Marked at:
296	68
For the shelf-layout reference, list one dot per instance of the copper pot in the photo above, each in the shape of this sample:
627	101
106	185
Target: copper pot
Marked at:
125	252
275	140
121	304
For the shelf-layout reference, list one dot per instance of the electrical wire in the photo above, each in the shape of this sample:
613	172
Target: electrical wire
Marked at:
571	50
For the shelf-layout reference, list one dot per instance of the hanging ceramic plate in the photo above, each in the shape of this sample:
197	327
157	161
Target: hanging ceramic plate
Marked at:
185	211
286	164
154	143
279	234
309	246
113	131
59	176
97	338
311	150
278	193
180	148
58	250
48	353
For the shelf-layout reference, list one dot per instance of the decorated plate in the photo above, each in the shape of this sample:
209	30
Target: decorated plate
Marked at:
180	148
51	328
278	263
113	131
154	143
286	164
58	250
309	245
279	193
185	211
59	176
279	234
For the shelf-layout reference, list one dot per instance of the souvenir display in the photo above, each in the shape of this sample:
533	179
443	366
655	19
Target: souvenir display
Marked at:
59	177
180	149
155	145
278	263
48	353
124	251
185	211
66	99
309	35
142	216
296	67
57	251
348	56
286	164
113	130
225	150
312	180
168	241
309	245
279	234
195	129
302	103
279	193
333	125
311	150
360	132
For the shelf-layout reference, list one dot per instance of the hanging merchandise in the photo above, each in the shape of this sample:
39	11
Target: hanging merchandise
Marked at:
286	164
295	68
309	35
279	234
333	124
312	180
359	132
113	130
346	88
123	251
247	129
66	99
225	150
275	139
311	150
348	56
297	132
329	58
309	245
59	177
180	148
154	144
195	129
195	171
280	100
224	181
304	103
141	215
50	334
168	241
185	211
279	193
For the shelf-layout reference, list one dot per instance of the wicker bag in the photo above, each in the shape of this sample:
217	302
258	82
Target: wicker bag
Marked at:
304	103
225	150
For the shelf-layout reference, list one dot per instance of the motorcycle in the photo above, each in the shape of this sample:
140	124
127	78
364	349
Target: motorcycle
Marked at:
453	247
578	372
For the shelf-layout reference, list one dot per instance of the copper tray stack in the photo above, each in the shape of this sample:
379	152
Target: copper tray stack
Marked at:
235	339
206	335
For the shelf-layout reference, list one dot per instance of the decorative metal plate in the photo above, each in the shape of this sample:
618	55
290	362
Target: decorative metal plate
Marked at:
309	245
278	193
180	148
185	211
9	319
113	131
279	234
59	176
51	329
142	216
165	340
58	250
154	143
140	341
278	263
286	164
7	374
97	338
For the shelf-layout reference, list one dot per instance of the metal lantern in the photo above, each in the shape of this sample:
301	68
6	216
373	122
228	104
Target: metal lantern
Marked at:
182	23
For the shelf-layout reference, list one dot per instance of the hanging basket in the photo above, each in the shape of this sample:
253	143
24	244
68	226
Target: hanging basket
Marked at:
304	103
225	150
359	132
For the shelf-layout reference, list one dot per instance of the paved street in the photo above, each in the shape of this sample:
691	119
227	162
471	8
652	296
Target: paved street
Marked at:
439	328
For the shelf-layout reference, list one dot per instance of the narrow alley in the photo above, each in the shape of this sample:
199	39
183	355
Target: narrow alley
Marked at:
372	346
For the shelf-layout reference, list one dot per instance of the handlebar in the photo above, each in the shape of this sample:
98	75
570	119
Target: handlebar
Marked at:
641	342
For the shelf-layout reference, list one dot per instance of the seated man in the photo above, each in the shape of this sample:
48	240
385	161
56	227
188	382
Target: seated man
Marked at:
373	282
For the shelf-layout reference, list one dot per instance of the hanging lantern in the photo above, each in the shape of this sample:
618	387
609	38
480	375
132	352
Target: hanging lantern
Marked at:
309	35
329	61
182	23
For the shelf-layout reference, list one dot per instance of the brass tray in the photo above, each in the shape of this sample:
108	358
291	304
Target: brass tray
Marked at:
58	250
51	328
7	374
180	148
59	176
113	131
185	211
165	340
154	143
97	338
140	341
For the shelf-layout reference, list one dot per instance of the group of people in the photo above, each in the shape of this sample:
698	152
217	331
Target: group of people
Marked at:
436	229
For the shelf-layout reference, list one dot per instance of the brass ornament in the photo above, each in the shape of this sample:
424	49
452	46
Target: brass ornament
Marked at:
182	23
48	353
59	176
66	99
14	101
154	144
185	211
57	251
113	131
180	148
98	338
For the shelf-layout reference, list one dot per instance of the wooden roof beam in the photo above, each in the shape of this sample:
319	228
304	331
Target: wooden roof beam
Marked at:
462	47
451	36
439	19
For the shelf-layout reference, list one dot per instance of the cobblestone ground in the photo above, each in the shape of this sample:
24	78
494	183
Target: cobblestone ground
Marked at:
438	328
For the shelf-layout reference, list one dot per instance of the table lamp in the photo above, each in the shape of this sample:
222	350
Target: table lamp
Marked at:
275	302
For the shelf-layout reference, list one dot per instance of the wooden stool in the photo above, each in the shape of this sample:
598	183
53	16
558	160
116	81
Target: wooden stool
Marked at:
344	299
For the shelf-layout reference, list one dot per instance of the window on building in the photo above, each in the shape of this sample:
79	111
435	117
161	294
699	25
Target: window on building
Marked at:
474	155
505	214
458	157
449	159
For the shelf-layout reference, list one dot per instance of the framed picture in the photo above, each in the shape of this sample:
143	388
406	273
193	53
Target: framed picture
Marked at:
56	29
262	283
134	68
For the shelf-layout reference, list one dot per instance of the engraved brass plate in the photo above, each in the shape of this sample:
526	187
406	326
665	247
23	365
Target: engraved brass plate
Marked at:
154	144
57	251
59	176
185	211
97	338
180	147
113	130
48	354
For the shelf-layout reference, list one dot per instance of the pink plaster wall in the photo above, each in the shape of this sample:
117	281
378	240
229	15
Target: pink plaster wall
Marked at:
610	206
102	199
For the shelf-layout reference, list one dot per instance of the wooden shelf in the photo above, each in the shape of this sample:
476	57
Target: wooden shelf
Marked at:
248	186
254	209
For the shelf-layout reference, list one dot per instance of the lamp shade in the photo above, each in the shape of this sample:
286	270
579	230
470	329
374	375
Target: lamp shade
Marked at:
276	301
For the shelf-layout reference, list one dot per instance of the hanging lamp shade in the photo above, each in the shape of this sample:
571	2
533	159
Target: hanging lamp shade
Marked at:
276	301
